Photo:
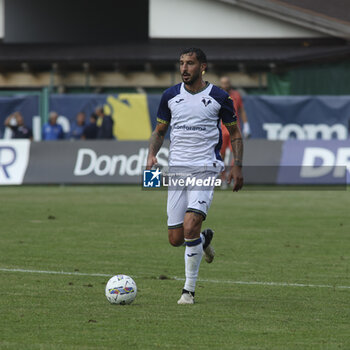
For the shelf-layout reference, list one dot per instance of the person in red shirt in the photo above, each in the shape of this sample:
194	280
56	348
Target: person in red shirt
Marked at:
225	84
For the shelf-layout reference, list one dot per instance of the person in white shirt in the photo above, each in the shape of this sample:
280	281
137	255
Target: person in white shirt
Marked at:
194	110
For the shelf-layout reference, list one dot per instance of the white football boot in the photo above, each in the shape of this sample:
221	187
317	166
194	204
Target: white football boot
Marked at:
186	298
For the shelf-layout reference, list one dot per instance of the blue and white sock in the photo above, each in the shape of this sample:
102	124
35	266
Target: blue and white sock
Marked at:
193	257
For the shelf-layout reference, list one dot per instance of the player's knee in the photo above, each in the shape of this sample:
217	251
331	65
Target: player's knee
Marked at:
175	242
175	239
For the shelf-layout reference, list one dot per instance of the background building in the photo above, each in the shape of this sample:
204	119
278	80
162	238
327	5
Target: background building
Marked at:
70	56
275	47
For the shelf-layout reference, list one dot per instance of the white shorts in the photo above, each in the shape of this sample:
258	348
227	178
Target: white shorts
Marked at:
182	199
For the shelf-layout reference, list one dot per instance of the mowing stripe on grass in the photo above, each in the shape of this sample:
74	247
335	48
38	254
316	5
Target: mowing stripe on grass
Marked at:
256	283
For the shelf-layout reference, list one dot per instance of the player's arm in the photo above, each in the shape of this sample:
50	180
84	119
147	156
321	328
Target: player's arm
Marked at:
157	138
155	143
237	150
229	119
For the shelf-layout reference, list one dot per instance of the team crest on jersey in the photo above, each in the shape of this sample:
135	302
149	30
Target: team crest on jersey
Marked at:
206	101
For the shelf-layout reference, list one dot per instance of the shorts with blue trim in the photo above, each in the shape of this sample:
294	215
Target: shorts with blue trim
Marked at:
190	197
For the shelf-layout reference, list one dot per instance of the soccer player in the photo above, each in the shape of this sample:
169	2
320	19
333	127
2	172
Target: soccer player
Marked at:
225	84
194	109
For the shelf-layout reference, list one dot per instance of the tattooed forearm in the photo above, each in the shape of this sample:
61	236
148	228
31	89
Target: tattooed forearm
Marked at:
155	142
237	143
237	150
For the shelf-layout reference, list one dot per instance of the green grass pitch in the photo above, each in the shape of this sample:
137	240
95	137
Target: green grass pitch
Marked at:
287	237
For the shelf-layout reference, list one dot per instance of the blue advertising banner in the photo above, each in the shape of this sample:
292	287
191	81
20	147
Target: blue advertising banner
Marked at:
298	117
69	105
315	162
133	114
270	117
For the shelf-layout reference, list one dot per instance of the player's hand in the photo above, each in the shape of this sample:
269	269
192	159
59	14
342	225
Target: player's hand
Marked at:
151	160
237	177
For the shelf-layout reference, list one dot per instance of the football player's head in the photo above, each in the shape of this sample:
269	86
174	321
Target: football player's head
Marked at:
225	83
193	64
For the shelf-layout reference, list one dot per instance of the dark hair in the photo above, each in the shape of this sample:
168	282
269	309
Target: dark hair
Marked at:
99	108
201	56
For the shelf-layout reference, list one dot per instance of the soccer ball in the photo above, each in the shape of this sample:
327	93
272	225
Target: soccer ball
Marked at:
121	289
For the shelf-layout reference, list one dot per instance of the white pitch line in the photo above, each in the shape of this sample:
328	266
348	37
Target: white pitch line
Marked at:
257	283
56	272
278	284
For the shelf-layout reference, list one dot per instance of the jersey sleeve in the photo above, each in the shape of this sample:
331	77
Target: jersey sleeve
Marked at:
227	112
164	113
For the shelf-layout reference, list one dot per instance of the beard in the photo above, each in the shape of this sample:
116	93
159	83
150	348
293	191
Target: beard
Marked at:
192	79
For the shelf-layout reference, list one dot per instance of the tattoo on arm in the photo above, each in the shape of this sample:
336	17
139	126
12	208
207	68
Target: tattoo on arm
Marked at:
237	143
156	141
237	150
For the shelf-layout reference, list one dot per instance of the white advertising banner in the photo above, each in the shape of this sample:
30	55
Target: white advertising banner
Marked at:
14	158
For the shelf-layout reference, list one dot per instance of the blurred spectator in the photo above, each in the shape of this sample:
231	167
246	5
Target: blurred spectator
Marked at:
90	130
19	130
105	124
225	84
78	127
51	130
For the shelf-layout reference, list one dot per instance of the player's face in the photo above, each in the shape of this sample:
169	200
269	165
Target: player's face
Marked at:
190	68
225	84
